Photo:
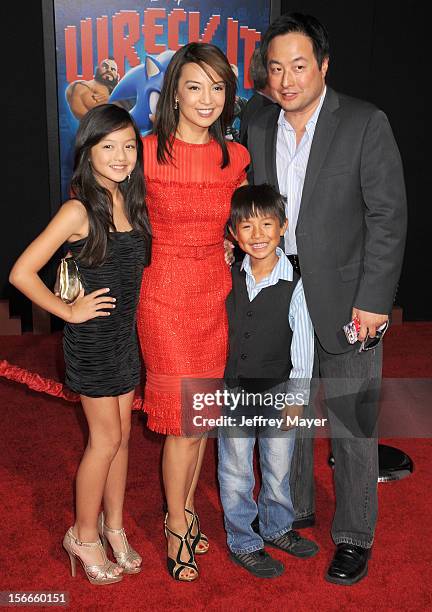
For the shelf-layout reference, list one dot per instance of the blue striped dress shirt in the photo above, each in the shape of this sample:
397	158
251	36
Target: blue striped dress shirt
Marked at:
302	345
291	164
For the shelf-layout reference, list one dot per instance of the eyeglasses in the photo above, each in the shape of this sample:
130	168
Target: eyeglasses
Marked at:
370	343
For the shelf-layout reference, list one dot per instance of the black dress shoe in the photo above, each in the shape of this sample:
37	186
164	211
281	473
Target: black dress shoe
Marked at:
349	564
301	523
259	563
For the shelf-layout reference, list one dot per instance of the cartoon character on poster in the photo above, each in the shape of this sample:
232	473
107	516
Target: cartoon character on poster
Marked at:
83	95
141	87
118	51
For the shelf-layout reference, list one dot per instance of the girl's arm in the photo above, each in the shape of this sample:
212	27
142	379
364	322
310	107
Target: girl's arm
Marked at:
69	223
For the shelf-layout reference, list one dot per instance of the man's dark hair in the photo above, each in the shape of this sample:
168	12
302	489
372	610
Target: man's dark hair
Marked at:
304	24
257	71
256	200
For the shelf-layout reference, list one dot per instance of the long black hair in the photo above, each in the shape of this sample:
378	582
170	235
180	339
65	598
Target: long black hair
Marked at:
96	124
167	117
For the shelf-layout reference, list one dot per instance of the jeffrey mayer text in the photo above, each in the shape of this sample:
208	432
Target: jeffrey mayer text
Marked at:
258	421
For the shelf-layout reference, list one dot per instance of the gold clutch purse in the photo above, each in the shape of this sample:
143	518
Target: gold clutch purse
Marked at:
68	282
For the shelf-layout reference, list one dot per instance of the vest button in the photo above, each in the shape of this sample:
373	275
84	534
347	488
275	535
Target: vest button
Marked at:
247	335
243	356
249	313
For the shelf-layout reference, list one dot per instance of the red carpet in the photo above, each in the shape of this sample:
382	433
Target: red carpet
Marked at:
43	438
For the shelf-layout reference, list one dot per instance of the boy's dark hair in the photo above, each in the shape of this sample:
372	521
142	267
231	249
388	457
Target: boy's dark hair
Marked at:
253	200
304	24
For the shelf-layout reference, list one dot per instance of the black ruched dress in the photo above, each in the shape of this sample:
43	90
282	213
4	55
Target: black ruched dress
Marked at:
102	355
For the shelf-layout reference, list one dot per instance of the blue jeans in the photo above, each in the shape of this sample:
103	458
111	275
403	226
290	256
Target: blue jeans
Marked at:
236	480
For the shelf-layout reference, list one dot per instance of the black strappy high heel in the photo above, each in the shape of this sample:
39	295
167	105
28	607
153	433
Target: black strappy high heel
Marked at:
199	538
176	566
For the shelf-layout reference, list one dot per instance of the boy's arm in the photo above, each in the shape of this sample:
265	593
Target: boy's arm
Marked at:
302	347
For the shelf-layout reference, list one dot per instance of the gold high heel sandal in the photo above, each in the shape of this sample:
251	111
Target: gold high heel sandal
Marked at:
97	574
124	559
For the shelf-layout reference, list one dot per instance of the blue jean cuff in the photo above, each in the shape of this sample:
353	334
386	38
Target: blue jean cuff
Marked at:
278	534
243	551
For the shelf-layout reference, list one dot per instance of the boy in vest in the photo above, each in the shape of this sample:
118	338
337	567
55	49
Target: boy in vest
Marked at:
271	350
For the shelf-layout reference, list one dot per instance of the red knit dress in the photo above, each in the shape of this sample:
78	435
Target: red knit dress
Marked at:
181	320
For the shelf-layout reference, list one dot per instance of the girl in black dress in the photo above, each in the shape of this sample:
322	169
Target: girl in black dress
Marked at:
106	228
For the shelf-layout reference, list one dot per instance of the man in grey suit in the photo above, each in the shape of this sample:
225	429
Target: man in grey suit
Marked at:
335	160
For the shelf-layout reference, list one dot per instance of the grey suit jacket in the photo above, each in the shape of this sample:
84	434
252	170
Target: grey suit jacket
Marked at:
352	220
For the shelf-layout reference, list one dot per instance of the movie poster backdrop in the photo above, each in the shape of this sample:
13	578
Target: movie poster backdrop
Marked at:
118	51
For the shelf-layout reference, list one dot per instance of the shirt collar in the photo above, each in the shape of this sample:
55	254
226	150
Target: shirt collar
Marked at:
282	270
284	123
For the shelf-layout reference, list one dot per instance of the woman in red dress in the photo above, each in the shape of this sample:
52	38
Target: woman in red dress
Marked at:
191	172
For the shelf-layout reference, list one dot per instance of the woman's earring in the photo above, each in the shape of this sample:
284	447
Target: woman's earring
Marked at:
128	178
176	104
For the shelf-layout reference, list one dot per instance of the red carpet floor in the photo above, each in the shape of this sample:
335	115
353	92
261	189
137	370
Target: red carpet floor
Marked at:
42	441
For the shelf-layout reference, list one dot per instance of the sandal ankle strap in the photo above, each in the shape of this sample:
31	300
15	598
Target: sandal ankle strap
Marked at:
79	543
177	535
104	527
115	531
183	538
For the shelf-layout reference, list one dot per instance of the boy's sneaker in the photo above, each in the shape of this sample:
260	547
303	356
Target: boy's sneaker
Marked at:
259	563
292	543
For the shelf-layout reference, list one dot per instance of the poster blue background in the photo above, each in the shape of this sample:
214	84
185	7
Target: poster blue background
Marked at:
254	14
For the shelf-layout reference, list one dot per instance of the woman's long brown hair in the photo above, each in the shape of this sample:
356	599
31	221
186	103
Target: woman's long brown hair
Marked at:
167	117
